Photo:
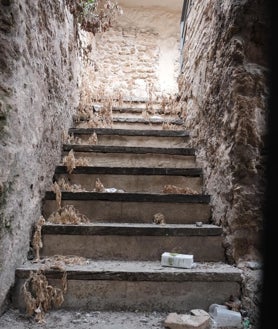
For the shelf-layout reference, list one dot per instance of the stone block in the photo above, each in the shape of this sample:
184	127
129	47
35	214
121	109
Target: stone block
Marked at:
187	321
199	312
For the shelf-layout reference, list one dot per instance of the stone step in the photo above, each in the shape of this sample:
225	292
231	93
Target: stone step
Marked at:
156	109
135	112
132	137
134	207
153	122
145	241
142	286
123	156
133	179
139	103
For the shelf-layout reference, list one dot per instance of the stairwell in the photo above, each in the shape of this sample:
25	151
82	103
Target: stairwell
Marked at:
122	244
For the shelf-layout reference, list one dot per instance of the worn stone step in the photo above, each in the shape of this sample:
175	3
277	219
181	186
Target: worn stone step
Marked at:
122	156
153	122
126	149
133	137
142	286
133	179
144	241
134	207
137	112
136	109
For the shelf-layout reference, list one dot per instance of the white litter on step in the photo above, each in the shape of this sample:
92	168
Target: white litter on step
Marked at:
176	260
113	190
224	318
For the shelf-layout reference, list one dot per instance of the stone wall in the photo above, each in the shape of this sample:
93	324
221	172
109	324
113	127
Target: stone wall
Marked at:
224	85
139	57
38	85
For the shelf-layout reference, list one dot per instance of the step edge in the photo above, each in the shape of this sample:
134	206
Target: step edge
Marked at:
132	230
128	149
129	132
131	197
159	273
147	171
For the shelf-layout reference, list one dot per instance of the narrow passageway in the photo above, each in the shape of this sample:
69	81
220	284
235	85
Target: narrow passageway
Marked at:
121	207
127	189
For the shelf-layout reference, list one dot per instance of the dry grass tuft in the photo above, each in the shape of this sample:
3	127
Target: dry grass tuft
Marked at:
93	140
159	218
36	240
145	115
64	260
99	115
58	194
39	296
71	162
65	185
67	215
71	139
169	126
99	187
172	189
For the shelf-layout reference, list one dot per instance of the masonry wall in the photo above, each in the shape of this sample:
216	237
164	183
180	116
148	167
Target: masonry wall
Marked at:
138	58
38	94
224	85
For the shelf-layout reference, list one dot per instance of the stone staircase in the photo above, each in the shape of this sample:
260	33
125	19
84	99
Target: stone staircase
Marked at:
122	244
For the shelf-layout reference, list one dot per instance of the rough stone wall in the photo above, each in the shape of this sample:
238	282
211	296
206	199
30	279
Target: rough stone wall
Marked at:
138	58
38	85
224	84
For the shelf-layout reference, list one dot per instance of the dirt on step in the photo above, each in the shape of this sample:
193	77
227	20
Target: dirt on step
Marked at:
61	319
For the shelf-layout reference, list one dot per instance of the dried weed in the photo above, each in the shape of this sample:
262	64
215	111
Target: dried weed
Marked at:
67	215
58	194
64	260
36	240
172	189
99	187
39	296
169	126
159	218
65	185
93	140
71	139
71	162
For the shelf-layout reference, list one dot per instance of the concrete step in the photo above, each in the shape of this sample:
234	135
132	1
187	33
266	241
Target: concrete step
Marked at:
131	179
123	156
142	286
145	241
131	137
134	207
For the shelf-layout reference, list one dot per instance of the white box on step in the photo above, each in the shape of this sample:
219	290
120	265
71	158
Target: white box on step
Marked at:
176	260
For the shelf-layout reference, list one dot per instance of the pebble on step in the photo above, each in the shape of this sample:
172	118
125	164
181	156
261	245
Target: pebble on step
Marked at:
197	319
